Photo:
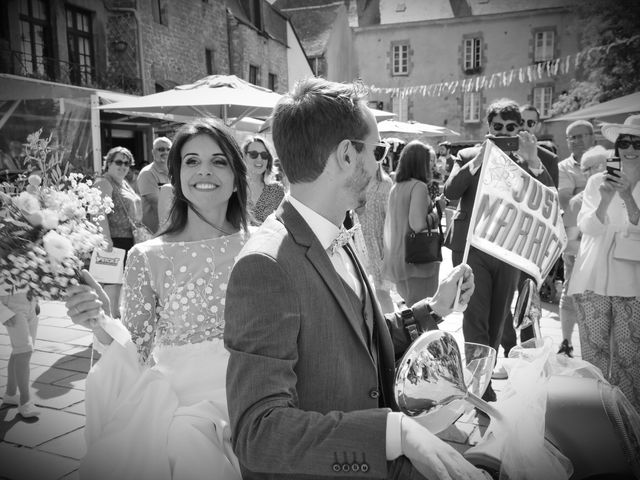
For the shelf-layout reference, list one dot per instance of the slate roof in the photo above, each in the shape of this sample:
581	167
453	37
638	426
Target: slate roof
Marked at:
421	10
312	23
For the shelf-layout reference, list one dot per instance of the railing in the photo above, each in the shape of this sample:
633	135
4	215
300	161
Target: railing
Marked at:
55	70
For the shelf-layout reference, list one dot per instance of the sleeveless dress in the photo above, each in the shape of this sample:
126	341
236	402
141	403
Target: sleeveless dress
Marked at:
396	228
271	196
156	400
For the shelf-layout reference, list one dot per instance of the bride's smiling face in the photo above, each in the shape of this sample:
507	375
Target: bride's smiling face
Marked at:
206	177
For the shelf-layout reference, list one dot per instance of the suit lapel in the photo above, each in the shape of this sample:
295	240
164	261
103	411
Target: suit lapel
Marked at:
304	236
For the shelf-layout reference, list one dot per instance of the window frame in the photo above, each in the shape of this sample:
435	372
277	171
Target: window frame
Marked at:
400	106
209	58
159	12
273	81
399	46
81	72
254	74
468	108
472	54
37	61
253	9
539	102
541	54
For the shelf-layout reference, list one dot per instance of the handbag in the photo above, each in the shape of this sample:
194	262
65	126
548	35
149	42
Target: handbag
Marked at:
424	246
139	231
627	247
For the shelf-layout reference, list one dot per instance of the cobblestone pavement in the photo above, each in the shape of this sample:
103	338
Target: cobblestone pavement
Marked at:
51	446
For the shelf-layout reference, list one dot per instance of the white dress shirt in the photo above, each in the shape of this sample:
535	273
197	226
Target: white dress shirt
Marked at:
326	233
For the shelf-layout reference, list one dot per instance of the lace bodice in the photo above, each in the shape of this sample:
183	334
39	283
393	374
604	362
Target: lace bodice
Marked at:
174	291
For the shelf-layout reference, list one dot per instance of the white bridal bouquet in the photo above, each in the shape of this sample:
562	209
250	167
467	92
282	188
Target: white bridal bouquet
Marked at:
46	234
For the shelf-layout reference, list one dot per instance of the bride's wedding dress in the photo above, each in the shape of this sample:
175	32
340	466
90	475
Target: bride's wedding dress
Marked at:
156	400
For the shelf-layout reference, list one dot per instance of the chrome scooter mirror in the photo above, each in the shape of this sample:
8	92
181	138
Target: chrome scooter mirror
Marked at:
528	308
431	375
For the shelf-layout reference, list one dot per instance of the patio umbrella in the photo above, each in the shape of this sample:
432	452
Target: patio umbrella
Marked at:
379	114
414	128
223	96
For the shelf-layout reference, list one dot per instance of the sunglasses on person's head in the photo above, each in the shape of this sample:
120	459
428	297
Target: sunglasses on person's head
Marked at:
624	144
509	127
381	150
121	163
530	123
254	154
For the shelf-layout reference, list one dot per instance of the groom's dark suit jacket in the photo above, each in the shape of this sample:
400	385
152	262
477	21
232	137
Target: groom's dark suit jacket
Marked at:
308	389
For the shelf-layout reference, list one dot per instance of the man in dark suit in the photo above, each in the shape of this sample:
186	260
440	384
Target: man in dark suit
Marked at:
530	123
311	368
495	280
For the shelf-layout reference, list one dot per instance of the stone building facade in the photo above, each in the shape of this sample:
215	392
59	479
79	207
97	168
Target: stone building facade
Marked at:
71	55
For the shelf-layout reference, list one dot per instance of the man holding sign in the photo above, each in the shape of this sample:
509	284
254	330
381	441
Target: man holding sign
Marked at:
506	231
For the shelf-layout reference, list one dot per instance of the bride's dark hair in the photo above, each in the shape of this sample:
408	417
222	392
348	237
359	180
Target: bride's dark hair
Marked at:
237	206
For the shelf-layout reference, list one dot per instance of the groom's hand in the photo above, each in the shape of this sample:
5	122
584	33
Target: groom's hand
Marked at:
432	457
443	301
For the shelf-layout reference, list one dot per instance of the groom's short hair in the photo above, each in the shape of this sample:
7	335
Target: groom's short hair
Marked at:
310	121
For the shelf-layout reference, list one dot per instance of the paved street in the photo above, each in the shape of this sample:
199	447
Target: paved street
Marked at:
51	446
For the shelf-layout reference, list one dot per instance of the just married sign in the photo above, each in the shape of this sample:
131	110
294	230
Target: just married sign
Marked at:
516	218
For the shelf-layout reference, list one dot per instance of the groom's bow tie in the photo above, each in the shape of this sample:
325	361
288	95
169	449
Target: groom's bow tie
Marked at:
343	238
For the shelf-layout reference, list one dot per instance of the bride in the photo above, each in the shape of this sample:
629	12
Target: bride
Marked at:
156	400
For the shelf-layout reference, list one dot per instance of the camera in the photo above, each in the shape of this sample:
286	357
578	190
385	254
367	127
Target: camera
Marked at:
614	166
506	144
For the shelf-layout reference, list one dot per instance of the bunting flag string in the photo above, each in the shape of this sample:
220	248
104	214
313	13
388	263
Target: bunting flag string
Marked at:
529	74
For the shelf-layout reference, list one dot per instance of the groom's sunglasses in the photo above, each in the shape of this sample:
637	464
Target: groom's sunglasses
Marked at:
381	150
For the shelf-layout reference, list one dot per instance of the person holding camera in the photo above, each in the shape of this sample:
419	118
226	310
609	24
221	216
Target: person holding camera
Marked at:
496	280
606	275
531	123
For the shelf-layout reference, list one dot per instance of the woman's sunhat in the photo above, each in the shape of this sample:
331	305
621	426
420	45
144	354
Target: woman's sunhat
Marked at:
631	126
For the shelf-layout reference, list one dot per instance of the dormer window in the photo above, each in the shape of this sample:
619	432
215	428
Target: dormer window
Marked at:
253	8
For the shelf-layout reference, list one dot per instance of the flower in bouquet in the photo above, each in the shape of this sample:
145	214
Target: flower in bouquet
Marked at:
47	231
47	236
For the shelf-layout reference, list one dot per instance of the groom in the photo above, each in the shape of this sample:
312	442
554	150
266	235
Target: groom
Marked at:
310	376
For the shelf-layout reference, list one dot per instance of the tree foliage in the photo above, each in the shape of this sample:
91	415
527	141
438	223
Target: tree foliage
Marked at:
604	74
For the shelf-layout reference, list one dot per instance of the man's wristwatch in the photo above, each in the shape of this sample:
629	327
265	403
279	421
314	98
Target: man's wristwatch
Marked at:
423	319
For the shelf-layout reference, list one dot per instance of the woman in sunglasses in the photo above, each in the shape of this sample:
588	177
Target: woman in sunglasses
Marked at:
117	227
606	274
265	194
